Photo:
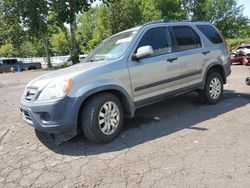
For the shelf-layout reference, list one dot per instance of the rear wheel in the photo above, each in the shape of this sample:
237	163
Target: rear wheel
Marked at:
102	118
213	89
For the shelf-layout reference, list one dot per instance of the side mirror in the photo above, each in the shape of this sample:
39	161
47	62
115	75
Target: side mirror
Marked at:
143	52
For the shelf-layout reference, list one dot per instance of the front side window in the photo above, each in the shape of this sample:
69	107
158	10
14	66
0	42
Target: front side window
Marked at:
158	39
186	38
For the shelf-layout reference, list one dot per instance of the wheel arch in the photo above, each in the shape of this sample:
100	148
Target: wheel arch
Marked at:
118	91
215	67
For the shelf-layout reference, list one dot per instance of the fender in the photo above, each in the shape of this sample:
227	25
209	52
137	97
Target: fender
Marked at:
209	67
91	89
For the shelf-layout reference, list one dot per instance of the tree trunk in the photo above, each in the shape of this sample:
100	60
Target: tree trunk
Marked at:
47	52
74	48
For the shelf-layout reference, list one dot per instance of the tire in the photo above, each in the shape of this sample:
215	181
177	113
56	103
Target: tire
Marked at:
102	118
213	89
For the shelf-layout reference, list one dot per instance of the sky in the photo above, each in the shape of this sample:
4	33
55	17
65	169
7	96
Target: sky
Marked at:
246	4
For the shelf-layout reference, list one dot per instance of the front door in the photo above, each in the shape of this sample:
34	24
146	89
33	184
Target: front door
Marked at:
155	75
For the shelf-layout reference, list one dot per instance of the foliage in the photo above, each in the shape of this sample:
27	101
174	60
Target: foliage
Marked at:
61	27
59	44
228	17
149	10
7	50
225	14
123	14
28	49
101	30
202	9
65	12
237	42
171	9
87	23
33	16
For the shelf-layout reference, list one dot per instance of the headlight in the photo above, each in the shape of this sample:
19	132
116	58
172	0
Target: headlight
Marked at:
56	89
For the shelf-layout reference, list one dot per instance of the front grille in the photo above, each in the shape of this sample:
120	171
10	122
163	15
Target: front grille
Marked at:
30	93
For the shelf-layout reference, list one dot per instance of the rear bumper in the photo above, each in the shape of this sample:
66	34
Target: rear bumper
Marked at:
57	117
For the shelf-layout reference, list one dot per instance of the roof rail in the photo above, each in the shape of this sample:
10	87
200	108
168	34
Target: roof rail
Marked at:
157	21
188	20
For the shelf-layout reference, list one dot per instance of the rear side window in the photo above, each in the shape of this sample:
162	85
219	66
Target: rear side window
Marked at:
158	39
210	33
186	38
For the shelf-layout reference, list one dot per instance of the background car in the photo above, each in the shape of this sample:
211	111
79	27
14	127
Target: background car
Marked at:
241	55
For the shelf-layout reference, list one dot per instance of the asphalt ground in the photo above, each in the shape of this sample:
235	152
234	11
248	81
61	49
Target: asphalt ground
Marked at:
178	142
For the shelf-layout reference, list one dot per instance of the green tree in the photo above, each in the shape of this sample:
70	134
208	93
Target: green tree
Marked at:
7	50
225	14
123	14
102	29
28	49
228	17
60	27
66	11
87	24
171	9
11	30
33	15
113	18
149	10
59	44
202	9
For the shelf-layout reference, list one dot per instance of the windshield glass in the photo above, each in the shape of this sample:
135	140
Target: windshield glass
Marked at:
113	47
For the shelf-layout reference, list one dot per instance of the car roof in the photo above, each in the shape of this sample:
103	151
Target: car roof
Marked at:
162	21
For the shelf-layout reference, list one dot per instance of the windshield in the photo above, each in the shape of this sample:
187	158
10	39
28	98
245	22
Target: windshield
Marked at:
113	47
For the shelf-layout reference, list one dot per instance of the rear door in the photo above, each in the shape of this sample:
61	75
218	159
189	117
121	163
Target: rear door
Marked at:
154	75
216	46
190	53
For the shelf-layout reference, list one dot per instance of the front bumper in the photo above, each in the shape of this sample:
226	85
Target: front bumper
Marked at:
57	117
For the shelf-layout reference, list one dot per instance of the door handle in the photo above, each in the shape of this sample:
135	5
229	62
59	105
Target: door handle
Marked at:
170	60
205	52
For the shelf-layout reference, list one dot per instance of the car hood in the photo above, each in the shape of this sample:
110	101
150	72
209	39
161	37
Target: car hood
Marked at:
69	72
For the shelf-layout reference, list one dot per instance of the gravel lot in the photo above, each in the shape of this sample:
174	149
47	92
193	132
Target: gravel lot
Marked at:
192	145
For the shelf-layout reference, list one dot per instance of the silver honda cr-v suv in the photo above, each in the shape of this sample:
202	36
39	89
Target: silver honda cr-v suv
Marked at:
126	71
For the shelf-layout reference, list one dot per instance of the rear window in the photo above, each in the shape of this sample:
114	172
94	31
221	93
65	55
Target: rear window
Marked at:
186	38
210	33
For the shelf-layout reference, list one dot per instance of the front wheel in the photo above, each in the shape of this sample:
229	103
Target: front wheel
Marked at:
102	118
213	89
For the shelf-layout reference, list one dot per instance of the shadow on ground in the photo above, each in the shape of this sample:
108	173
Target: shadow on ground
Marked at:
182	112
